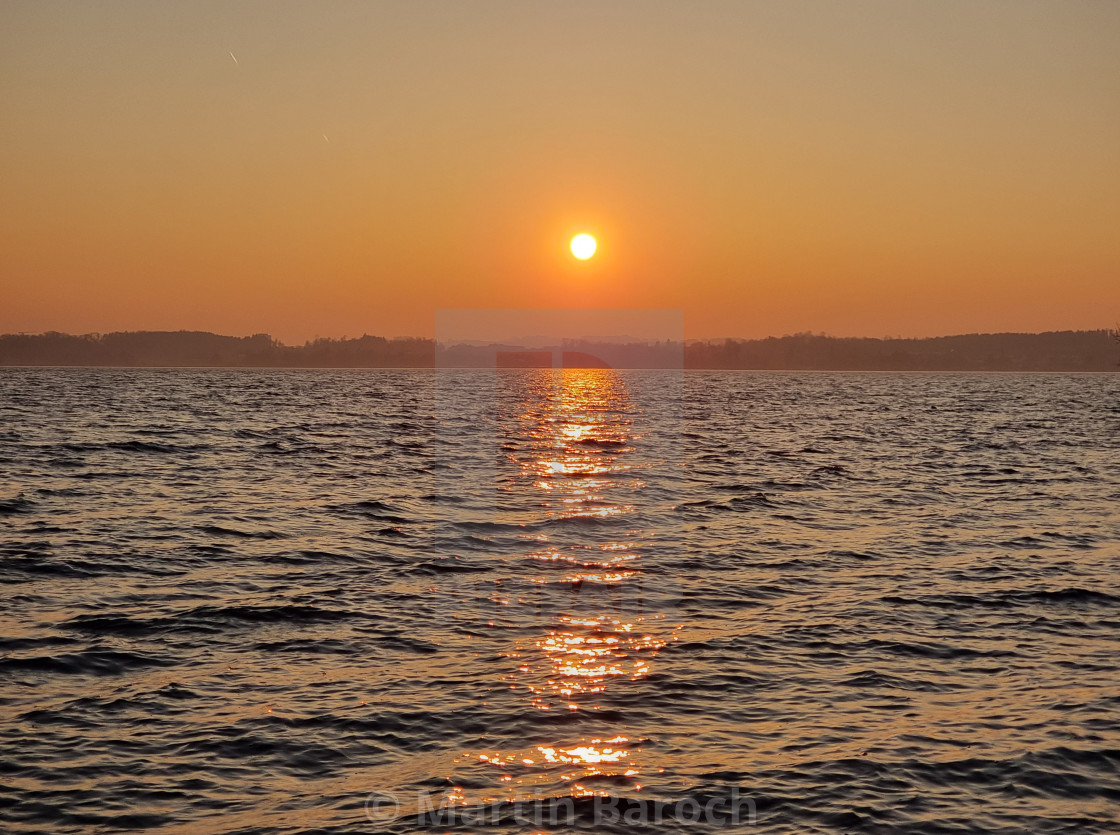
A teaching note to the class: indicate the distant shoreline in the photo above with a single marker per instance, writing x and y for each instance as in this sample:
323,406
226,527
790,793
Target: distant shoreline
1054,351
433,369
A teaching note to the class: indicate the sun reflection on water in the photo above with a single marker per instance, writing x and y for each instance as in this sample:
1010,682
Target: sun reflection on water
571,442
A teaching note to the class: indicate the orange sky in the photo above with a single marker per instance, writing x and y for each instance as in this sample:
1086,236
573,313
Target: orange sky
863,168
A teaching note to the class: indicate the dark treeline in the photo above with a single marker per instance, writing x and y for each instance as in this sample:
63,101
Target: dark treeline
198,348
1054,351
572,353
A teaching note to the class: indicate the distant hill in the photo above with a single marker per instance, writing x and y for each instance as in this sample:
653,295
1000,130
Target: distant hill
202,349
1053,351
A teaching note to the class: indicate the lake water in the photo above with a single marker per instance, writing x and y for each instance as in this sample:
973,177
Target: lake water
366,600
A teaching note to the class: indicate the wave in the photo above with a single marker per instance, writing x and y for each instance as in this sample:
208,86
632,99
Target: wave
208,619
97,661
1014,598
132,446
219,530
19,504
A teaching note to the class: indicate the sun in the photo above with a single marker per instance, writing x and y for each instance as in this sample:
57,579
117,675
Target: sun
583,246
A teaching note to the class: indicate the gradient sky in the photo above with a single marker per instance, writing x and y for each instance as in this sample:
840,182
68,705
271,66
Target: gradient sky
858,168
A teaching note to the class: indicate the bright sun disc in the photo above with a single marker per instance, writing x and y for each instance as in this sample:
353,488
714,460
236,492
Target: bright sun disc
583,246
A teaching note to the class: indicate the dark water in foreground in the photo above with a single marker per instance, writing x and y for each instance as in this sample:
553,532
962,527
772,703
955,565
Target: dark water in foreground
243,601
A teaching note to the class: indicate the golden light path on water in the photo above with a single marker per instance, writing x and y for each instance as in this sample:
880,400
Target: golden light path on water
580,428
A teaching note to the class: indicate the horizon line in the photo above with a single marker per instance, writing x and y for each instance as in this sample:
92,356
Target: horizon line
1113,331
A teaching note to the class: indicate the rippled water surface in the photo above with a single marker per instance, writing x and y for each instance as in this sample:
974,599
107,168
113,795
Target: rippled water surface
246,601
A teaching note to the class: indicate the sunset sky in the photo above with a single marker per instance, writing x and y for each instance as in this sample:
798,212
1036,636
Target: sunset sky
857,168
